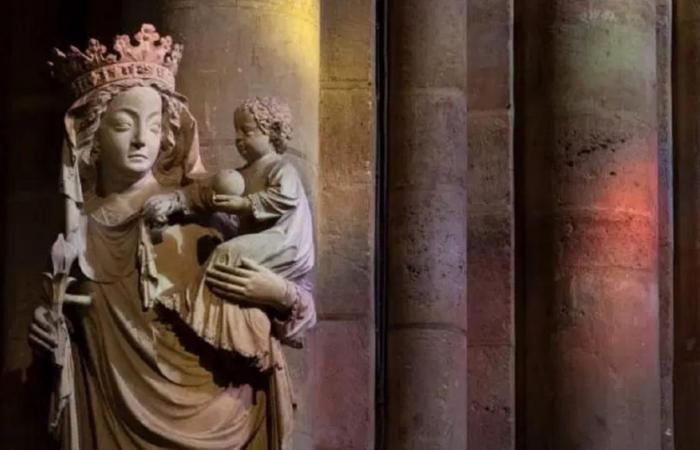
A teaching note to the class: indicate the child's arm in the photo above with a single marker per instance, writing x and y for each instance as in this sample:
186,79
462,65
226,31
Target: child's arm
232,204
282,194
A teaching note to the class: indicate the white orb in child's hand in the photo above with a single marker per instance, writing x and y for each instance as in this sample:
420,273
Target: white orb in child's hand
228,182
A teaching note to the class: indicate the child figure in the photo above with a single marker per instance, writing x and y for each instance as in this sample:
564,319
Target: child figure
275,229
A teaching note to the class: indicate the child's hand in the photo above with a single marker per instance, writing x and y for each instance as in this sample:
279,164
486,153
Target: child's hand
231,204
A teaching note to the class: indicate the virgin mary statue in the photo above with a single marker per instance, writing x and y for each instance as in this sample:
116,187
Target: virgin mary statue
138,378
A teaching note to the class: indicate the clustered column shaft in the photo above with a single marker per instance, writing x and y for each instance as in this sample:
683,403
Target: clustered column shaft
586,138
427,225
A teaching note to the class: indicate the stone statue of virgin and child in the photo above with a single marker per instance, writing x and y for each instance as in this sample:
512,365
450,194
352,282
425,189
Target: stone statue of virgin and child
172,290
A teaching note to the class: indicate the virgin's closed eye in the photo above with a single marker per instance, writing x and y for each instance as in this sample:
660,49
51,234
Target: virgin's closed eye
122,126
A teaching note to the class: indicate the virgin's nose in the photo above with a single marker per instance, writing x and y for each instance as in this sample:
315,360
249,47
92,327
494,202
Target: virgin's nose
138,141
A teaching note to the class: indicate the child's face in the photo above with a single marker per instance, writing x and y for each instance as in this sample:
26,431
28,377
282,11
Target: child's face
251,142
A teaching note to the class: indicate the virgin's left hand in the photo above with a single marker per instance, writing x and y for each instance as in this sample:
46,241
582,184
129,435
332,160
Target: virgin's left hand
231,204
250,283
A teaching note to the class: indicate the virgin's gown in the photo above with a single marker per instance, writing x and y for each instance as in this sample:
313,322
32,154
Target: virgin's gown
142,379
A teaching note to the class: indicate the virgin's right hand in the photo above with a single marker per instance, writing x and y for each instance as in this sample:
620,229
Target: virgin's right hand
43,334
159,207
206,197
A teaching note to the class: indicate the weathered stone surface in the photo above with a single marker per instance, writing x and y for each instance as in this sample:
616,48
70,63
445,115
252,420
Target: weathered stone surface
302,368
427,395
432,139
588,146
431,50
610,347
346,249
344,342
664,14
427,262
489,54
344,392
490,180
347,123
427,217
347,43
426,273
490,274
491,396
490,262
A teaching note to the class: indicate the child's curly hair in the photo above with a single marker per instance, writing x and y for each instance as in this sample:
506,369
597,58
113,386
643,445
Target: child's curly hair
274,119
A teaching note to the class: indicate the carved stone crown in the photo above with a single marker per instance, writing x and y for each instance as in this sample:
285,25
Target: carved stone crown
152,58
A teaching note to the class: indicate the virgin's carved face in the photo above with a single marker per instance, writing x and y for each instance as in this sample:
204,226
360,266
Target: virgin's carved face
130,135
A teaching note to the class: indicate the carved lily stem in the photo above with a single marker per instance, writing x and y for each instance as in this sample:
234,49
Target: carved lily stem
63,255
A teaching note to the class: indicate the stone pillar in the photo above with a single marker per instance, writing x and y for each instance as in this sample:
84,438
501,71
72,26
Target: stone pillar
686,97
235,49
426,276
586,137
490,265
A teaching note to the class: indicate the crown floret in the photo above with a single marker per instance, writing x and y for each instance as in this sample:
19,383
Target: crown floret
152,57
